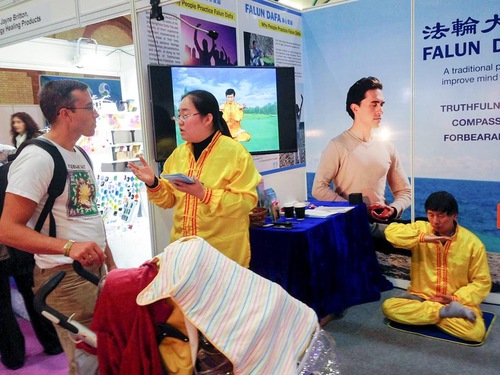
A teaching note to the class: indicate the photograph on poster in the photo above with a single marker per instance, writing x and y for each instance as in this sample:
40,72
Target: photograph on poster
216,47
259,50
266,96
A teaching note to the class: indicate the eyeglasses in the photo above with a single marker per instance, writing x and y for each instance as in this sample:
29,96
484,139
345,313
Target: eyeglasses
88,108
184,117
91,108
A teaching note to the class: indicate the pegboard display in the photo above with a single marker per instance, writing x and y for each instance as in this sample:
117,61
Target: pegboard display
119,198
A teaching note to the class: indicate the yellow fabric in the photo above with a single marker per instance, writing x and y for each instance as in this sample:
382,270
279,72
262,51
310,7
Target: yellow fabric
176,354
433,334
407,311
233,114
228,173
458,268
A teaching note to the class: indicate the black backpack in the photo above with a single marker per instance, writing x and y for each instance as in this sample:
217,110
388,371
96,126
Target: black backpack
18,261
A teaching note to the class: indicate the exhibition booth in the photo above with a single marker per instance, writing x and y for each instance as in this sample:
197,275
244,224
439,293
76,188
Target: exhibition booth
439,76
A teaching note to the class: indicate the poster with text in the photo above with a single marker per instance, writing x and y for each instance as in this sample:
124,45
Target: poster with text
216,33
448,112
342,44
457,113
191,32
271,35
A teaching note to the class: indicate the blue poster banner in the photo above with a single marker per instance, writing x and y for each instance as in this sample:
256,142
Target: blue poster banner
100,88
457,109
439,64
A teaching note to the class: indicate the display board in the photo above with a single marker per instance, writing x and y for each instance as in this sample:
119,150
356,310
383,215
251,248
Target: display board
443,122
222,32
23,20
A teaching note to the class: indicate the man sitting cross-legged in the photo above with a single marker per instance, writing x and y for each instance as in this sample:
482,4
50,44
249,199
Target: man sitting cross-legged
449,274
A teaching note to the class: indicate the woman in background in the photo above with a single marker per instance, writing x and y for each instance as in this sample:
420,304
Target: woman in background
22,128
217,205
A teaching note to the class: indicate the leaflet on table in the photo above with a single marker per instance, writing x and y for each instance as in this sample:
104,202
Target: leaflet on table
324,211
178,177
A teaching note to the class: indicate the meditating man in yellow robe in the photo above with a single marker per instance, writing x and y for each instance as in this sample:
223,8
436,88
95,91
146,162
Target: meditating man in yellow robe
232,112
449,274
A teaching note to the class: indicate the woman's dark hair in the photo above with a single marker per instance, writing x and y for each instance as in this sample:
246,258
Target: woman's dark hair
357,92
205,103
442,201
30,126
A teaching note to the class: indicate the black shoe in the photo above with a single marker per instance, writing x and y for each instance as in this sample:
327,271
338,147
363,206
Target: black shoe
53,350
12,365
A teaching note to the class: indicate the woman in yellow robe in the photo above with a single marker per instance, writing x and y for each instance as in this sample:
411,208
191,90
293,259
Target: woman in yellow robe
216,206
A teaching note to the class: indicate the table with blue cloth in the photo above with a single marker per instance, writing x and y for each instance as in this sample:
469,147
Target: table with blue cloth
328,263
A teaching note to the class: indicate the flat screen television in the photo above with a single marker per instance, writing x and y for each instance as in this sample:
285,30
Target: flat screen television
267,93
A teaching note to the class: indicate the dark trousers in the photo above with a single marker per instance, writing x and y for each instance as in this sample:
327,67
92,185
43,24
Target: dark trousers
12,346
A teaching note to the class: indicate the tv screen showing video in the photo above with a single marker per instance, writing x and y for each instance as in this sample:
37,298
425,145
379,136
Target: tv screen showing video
258,104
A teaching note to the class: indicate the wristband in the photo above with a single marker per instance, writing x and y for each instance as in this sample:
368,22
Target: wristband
155,184
67,247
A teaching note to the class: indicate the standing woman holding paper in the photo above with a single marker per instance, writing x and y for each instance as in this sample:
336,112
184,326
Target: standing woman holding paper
216,206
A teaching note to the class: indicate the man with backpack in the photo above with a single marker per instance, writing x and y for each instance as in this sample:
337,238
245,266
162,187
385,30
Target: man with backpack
79,229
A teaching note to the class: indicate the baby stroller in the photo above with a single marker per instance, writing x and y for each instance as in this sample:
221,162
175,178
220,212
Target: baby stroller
247,323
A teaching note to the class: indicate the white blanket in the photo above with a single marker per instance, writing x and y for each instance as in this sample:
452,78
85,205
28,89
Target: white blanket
253,321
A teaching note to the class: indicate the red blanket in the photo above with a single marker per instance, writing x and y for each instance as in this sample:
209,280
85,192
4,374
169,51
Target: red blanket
126,332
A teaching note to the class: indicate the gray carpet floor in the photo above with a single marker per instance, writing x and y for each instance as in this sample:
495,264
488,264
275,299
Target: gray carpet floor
365,345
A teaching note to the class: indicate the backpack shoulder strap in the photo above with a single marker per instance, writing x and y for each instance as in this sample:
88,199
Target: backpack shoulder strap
86,155
4,171
57,184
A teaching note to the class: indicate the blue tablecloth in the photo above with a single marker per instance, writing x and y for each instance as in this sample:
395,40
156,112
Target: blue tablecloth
328,263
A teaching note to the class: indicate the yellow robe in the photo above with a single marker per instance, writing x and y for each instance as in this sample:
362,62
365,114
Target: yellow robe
233,114
228,173
458,268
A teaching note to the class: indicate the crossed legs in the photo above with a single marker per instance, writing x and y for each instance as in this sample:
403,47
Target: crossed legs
454,319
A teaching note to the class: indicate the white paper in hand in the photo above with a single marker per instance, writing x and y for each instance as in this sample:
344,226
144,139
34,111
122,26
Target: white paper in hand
178,177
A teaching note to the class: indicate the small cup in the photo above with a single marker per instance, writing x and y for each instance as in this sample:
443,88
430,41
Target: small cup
300,211
355,198
288,209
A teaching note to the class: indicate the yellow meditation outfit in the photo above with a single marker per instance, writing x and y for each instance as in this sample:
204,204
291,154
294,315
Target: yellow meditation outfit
228,173
233,114
458,268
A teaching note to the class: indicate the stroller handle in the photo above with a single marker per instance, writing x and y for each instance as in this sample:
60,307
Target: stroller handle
87,275
80,331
